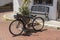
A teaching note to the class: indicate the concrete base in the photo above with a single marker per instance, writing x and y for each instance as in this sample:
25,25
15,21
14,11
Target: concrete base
9,17
52,23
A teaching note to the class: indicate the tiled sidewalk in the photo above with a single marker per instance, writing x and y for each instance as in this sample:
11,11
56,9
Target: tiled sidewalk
49,34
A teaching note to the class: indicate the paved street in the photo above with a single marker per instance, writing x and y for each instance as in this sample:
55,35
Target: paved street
46,34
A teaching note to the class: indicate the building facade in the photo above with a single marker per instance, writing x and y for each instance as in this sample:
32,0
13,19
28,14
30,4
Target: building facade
52,4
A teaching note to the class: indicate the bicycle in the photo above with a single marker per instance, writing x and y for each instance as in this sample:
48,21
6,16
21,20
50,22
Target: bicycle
37,23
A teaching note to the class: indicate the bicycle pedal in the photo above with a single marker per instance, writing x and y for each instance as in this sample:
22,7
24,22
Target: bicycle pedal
30,24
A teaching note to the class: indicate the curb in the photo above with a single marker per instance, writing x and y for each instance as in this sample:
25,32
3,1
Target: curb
5,17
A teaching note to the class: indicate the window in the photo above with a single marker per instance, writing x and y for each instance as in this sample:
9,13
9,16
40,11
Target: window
49,2
37,1
44,2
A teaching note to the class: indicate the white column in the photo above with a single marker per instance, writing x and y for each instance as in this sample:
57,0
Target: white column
53,11
16,5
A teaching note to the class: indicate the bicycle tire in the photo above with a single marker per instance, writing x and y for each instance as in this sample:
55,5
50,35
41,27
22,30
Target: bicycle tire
10,26
39,23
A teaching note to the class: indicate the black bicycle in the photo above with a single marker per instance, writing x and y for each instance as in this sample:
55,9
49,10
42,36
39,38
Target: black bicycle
21,23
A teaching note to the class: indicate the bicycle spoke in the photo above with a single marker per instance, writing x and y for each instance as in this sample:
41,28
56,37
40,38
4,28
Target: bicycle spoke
16,27
38,23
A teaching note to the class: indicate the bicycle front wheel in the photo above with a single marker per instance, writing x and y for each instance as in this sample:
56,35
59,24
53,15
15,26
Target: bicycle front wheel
16,27
38,23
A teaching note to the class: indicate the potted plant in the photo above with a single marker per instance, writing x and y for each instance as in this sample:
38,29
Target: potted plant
24,10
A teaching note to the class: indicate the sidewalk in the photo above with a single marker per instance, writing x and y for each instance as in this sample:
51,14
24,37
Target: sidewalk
51,23
46,34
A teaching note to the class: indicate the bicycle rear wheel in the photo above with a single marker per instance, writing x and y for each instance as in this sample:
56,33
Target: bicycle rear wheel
38,23
16,27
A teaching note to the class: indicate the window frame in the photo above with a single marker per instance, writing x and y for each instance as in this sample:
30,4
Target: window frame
46,3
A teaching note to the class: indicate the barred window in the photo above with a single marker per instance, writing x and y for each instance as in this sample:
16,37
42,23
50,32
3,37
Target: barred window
49,2
45,2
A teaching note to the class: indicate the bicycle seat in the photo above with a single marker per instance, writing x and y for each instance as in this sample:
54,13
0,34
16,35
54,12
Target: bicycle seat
33,15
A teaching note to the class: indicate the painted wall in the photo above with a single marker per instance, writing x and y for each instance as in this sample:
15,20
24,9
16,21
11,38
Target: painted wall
18,4
52,9
3,2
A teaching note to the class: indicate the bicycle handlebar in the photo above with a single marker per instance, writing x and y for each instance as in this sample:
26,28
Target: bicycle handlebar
26,16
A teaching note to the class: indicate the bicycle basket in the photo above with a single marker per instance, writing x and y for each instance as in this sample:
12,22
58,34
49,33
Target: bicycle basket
17,16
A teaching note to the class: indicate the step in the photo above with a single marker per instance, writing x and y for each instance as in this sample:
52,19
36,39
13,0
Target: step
53,24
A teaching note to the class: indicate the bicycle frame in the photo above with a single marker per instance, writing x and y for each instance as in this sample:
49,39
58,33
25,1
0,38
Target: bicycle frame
24,18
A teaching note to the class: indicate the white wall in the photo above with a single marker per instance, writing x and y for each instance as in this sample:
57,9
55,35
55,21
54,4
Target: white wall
3,2
52,10
17,4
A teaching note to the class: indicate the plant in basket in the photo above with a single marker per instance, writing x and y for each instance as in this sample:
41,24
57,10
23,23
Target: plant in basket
24,10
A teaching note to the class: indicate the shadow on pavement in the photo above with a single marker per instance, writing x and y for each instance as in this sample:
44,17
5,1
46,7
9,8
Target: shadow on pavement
30,31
